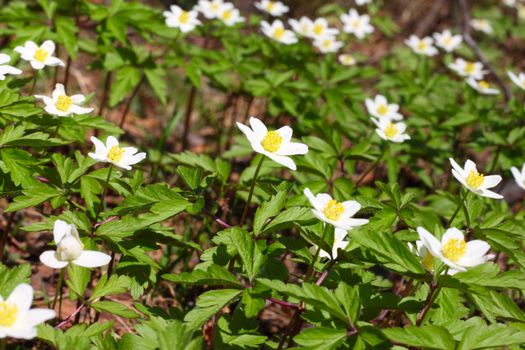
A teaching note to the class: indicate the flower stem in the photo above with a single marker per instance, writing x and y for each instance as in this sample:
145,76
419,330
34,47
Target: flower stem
5,234
376,163
250,195
59,291
103,196
461,202
187,117
34,83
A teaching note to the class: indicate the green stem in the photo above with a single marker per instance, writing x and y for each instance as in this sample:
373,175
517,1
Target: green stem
103,196
250,195
463,197
59,291
311,268
376,163
34,83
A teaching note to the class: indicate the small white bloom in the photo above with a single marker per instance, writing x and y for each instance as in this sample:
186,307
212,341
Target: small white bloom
426,257
39,57
303,26
481,25
320,29
447,41
454,251
362,2
212,9
330,211
7,69
468,69
328,44
482,86
423,46
519,79
380,108
355,24
185,21
111,152
510,3
474,181
339,243
274,8
276,144
519,176
71,250
277,32
390,131
347,59
17,319
230,15
62,105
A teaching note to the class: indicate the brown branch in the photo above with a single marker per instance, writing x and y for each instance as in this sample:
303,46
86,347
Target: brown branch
128,102
5,234
428,303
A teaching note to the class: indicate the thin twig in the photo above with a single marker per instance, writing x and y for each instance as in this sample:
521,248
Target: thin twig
77,311
128,102
187,117
5,234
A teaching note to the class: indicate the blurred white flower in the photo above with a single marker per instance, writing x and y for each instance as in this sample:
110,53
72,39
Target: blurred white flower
277,32
481,25
17,319
510,3
230,16
519,79
276,145
185,21
423,46
328,44
519,176
474,181
62,105
111,152
7,69
212,9
274,8
380,108
356,24
389,131
71,250
482,86
320,29
303,26
39,56
362,2
347,60
468,69
447,41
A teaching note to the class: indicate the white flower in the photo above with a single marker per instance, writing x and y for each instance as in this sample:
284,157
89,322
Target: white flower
328,44
474,181
426,257
389,131
276,144
71,250
63,105
123,157
333,212
230,15
320,29
510,3
519,79
17,319
468,69
339,243
303,26
185,21
481,25
454,251
362,2
274,8
347,59
6,69
423,46
212,9
519,176
482,86
39,57
277,32
356,24
447,41
380,108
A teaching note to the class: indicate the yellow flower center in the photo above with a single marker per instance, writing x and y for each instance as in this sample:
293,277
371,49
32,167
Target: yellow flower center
382,109
184,17
270,5
272,141
63,103
448,40
41,54
391,130
454,249
214,6
422,45
470,68
278,33
475,179
8,313
428,262
304,28
318,29
483,85
327,43
227,15
333,210
356,23
115,154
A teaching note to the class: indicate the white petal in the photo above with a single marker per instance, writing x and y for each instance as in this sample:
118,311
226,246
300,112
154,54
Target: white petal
134,159
110,142
457,167
80,110
258,128
470,166
452,233
53,62
429,241
348,223
90,258
292,148
22,297
49,46
36,64
283,160
60,229
286,133
36,316
351,207
21,332
59,91
491,181
490,194
250,135
49,259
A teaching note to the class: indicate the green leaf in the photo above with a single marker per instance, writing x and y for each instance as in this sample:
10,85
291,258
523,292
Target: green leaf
208,304
267,210
114,308
429,337
79,277
115,285
67,33
126,79
321,338
288,217
249,252
34,195
10,278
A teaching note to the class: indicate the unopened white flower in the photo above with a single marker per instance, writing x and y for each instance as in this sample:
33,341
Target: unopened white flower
339,243
71,250
328,44
320,29
457,254
356,24
274,8
277,32
447,41
519,176
380,108
276,145
387,130
111,152
230,16
519,79
481,25
482,87
212,9
346,59
7,69
362,2
303,26
468,69
475,181
62,105
426,257
17,319
422,46
39,56
330,211
185,21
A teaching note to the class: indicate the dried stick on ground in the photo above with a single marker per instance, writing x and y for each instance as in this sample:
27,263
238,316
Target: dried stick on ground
431,18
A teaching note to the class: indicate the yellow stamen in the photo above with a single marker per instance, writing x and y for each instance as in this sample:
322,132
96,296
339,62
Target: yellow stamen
327,43
214,6
227,15
356,23
475,179
382,109
470,67
454,249
391,130
483,85
272,141
270,5
8,313
428,262
422,45
318,29
333,210
278,33
448,41
184,17
115,154
41,54
63,103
